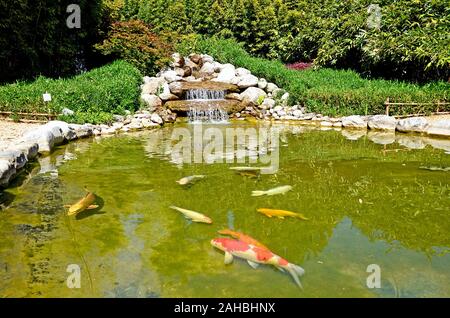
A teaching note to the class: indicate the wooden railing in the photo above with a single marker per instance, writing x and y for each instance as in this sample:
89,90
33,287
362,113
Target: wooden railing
28,117
441,108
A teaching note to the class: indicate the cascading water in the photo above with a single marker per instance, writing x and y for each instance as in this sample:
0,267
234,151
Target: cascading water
210,113
214,115
195,94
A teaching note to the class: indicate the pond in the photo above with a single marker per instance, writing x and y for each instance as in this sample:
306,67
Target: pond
366,203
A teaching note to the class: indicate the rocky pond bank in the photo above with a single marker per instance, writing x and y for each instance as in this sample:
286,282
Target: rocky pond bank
198,81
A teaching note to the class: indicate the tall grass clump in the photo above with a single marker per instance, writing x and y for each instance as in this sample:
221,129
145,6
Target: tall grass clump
94,96
328,91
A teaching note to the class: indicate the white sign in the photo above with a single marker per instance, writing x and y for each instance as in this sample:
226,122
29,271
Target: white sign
47,97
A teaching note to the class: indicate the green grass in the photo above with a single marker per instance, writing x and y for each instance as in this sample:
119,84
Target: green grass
331,92
94,96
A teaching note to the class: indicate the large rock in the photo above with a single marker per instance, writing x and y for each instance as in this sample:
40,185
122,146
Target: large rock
16,157
152,85
382,122
262,83
187,71
171,76
227,74
234,96
7,171
354,121
176,88
207,58
30,149
193,66
180,71
156,119
82,131
207,68
439,128
44,137
196,58
268,103
165,94
55,129
246,81
177,60
413,124
151,101
67,112
242,72
67,132
253,95
271,87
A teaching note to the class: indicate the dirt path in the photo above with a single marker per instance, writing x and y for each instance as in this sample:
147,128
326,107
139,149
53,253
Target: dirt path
10,131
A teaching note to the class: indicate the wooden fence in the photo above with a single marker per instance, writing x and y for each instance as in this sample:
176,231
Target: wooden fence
441,108
28,117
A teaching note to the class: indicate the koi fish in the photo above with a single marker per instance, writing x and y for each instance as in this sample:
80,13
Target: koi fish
243,237
192,215
190,179
250,168
255,255
281,214
274,191
82,205
433,168
246,168
249,174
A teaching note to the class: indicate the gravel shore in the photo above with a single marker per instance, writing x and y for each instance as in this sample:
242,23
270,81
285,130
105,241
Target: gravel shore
10,131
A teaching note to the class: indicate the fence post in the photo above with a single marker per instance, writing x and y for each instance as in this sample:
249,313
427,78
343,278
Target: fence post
387,106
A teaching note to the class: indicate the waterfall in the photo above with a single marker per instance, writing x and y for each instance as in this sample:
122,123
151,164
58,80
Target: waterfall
214,115
212,112
202,94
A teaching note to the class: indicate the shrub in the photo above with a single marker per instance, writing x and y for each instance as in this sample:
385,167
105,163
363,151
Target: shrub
323,90
110,89
134,42
391,38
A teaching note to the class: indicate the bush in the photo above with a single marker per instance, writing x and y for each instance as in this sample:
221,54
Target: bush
110,89
134,42
34,38
333,92
393,38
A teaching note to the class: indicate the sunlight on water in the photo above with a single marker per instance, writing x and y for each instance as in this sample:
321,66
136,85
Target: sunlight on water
365,205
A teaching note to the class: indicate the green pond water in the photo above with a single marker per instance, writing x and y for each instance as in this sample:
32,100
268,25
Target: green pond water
366,206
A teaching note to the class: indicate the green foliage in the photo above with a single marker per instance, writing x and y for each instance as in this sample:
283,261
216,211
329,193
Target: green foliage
333,92
34,38
111,89
88,118
134,42
409,42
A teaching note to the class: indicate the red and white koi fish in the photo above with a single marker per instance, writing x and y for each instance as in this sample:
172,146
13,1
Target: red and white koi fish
256,255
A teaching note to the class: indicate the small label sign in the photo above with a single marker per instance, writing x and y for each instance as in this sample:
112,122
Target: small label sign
47,97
